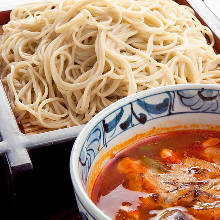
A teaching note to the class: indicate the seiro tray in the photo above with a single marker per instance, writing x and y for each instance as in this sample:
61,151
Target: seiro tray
17,137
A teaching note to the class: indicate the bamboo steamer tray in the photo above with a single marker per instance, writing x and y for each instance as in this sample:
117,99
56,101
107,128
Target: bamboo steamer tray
16,137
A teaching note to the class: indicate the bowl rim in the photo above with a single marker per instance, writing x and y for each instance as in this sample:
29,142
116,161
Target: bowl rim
80,192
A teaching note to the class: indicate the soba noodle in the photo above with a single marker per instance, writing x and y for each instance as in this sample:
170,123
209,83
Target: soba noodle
65,61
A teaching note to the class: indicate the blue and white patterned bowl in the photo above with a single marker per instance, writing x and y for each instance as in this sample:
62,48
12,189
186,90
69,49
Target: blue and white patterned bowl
171,106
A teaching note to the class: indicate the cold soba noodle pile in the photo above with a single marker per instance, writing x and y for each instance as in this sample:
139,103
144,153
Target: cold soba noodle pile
65,61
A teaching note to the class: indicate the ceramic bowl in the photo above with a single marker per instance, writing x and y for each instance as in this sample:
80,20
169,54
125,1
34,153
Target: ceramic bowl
154,111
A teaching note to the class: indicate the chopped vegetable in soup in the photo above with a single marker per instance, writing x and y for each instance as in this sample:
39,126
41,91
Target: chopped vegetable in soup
175,176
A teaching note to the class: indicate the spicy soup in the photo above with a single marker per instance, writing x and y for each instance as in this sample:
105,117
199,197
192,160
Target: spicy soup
174,175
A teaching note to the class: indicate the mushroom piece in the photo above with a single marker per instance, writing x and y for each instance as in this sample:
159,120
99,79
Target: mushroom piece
175,215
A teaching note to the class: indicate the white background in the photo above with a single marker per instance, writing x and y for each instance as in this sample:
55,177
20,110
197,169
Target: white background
213,5
10,4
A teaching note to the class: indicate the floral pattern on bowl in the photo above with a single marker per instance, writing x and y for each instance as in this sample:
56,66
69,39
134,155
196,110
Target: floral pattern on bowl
142,111
130,116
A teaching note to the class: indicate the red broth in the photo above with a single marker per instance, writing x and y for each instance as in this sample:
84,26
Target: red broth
174,175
